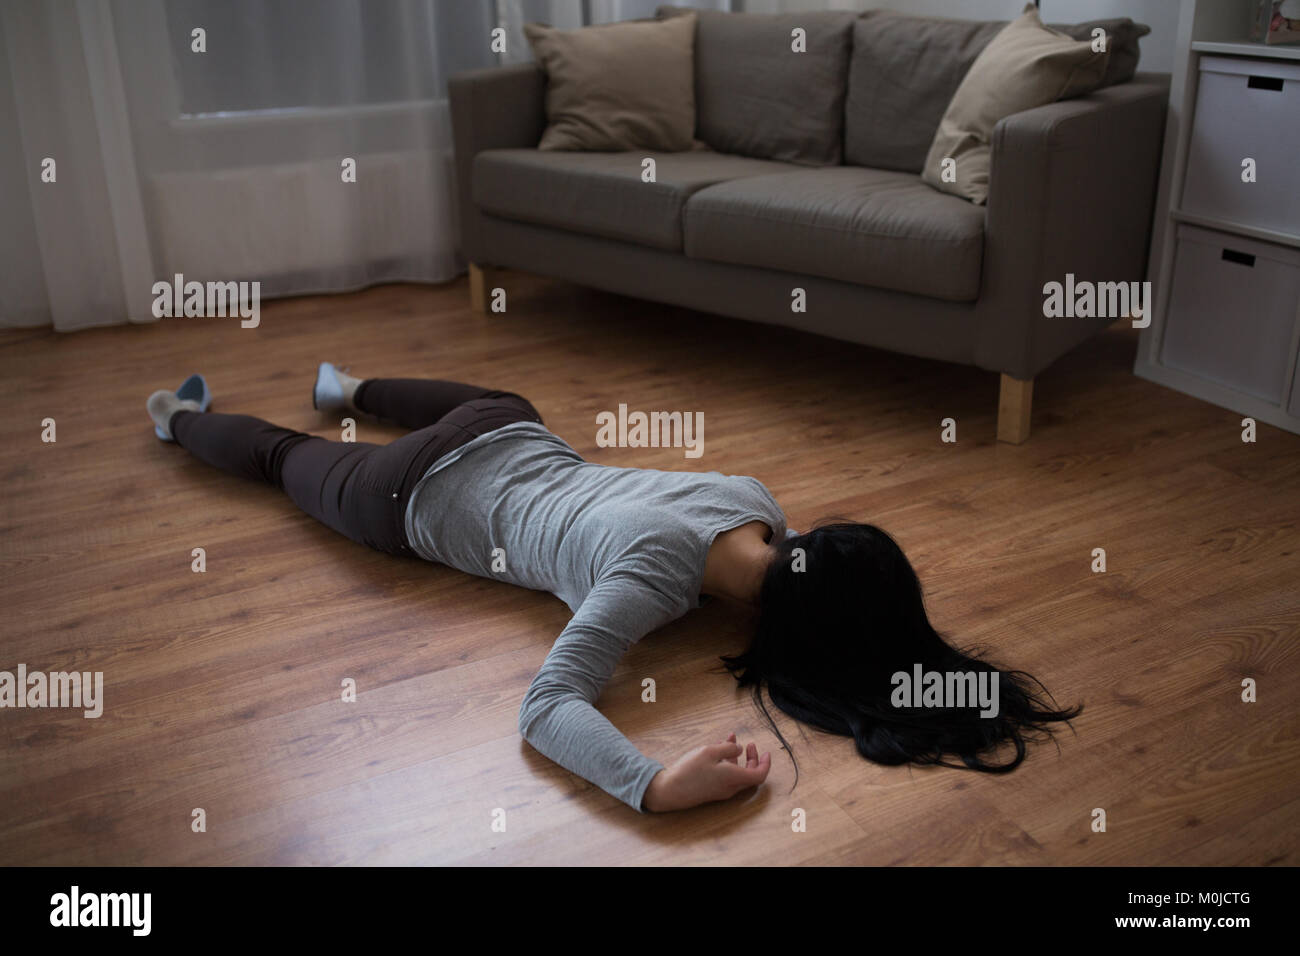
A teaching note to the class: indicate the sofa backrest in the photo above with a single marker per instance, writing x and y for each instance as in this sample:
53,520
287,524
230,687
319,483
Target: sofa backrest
905,69
755,96
902,75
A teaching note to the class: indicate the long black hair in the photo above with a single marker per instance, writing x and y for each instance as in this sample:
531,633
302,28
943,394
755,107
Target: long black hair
840,616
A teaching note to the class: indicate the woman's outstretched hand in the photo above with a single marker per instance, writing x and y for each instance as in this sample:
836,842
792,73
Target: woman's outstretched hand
706,774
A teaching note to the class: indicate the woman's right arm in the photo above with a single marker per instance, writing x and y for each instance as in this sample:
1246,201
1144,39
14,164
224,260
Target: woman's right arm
559,719
706,774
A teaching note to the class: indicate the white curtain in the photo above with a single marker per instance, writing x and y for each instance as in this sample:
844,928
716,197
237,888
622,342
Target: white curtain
72,232
226,164
128,155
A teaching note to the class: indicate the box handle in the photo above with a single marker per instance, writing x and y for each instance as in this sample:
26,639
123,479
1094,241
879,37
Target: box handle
1265,83
1241,258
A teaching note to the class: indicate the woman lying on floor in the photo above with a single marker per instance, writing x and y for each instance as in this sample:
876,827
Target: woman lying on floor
480,481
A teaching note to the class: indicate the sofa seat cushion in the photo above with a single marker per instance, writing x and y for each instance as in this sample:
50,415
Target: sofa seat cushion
602,194
872,227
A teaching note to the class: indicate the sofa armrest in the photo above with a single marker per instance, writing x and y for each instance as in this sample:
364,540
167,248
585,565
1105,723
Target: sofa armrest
497,108
1072,189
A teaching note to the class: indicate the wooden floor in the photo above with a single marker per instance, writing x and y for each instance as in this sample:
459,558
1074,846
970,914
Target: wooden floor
222,689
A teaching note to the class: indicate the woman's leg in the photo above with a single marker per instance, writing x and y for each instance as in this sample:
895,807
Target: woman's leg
418,403
340,484
359,489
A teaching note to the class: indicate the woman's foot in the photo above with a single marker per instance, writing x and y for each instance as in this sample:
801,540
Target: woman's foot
334,389
192,396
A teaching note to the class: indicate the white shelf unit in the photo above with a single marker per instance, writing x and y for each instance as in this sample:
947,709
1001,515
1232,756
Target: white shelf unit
1279,51
1211,28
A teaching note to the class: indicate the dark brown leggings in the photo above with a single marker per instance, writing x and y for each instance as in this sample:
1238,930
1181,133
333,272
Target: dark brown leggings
356,488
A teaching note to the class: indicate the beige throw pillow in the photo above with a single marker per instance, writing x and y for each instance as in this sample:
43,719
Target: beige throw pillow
1024,66
618,86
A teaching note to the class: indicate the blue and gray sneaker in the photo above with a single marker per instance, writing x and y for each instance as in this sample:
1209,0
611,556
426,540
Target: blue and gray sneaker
193,395
334,389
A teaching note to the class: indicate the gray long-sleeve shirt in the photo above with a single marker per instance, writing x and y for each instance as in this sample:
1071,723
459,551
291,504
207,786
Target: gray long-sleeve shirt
624,548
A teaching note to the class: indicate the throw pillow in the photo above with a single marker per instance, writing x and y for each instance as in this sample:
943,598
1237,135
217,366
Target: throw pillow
618,86
1024,66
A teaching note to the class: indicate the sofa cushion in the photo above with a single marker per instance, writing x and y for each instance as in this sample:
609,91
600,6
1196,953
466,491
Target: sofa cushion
756,96
602,194
905,69
868,226
902,76
618,86
1122,42
1024,66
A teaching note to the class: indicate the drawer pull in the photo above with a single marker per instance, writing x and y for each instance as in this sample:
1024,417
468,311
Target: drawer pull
1265,83
1241,258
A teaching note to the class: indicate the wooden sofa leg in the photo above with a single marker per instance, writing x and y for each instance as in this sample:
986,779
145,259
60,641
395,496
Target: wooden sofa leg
1014,404
480,278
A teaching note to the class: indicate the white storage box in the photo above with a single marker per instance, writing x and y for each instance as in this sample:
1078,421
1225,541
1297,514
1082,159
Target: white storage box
1246,108
1232,311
